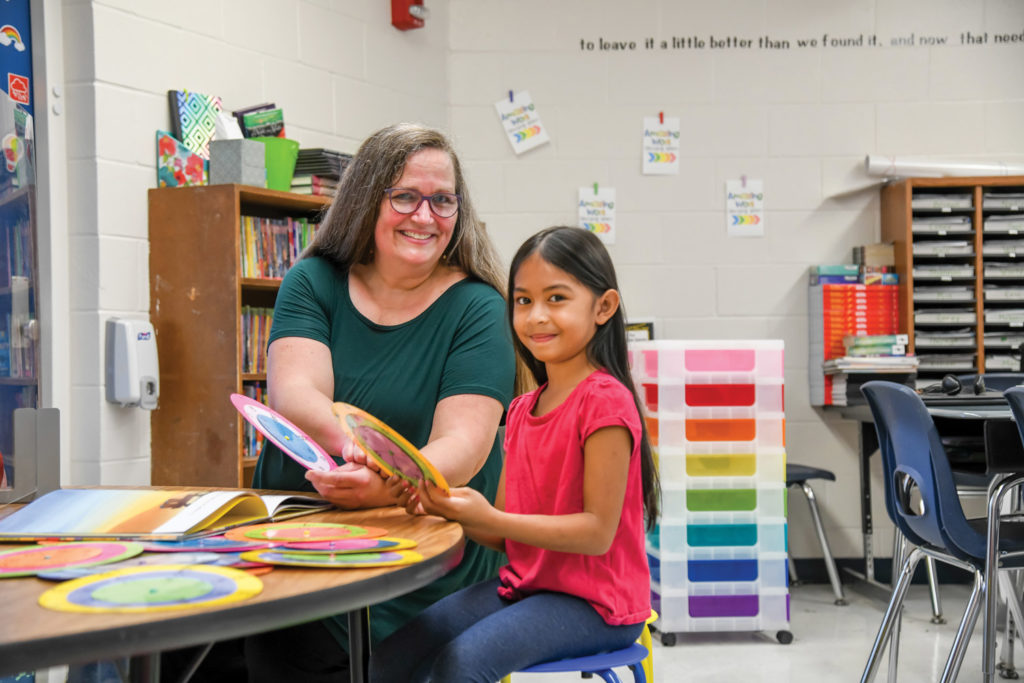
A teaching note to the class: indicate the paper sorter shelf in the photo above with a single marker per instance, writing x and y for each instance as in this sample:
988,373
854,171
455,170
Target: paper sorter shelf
945,316
938,294
944,248
944,272
1004,270
941,201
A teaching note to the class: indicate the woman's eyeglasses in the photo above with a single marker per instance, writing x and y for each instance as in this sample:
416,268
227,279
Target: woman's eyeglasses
405,201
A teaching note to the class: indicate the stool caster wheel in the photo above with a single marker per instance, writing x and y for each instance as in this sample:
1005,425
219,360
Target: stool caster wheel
668,639
784,637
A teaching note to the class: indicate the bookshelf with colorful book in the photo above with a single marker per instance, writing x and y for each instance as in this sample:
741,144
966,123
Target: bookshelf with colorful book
217,256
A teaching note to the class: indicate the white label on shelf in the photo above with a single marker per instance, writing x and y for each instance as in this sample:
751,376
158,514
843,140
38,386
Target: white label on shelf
946,278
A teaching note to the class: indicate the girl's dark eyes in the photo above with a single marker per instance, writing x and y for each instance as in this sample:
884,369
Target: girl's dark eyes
521,300
556,297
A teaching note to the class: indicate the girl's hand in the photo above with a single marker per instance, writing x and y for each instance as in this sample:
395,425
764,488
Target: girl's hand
463,504
349,486
404,494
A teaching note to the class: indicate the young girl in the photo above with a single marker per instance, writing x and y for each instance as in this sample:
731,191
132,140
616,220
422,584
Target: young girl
578,482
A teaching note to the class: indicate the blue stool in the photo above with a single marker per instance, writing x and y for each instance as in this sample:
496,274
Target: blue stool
637,657
602,664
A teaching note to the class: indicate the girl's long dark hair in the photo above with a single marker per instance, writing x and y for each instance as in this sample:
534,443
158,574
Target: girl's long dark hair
580,254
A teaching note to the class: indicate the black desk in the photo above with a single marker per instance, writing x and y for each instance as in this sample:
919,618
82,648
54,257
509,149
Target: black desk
945,410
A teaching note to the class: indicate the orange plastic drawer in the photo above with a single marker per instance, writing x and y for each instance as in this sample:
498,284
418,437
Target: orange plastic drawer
721,430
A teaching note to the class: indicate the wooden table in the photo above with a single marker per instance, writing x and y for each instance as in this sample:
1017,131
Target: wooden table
32,637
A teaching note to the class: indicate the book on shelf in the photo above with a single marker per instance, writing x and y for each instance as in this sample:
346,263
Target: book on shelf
878,254
239,114
845,386
877,350
269,246
314,180
149,514
265,123
853,341
881,364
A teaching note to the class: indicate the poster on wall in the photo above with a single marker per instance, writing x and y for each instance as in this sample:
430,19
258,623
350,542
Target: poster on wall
661,145
744,208
522,123
16,125
597,212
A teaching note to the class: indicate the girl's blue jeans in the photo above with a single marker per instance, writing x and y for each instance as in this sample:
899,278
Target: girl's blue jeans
475,635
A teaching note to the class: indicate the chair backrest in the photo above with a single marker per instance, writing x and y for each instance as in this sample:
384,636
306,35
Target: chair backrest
1015,397
912,454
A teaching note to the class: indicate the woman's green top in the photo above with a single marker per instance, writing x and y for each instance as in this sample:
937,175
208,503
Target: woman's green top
398,373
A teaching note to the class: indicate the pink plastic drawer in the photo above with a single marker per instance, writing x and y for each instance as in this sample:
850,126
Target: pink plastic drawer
720,360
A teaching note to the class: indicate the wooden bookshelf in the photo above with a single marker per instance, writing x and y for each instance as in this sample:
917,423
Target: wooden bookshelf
196,299
975,251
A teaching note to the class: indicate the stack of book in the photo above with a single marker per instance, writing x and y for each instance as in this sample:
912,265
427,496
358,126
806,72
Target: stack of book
869,357
839,306
318,171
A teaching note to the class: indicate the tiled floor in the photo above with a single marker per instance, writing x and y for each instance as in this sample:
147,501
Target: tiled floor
830,645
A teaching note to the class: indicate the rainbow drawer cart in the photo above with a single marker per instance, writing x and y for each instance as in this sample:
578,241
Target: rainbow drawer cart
715,414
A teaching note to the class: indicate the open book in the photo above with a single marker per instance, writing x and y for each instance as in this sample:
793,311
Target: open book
148,514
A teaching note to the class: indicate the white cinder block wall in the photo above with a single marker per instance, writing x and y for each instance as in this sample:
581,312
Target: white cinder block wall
338,69
801,119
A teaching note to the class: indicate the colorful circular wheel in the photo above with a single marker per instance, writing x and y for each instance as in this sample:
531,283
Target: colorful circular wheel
389,449
334,561
152,588
294,442
37,558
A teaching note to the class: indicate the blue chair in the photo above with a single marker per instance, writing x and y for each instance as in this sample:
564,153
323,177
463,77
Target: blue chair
921,498
637,657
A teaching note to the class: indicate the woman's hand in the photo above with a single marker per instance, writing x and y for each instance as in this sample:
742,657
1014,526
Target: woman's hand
350,486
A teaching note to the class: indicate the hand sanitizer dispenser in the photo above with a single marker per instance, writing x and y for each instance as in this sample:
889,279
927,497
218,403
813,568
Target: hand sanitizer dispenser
133,371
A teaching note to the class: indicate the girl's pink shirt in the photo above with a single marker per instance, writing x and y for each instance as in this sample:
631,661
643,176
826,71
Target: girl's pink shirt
544,475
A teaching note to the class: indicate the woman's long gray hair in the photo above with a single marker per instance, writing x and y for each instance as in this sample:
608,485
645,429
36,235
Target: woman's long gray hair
346,235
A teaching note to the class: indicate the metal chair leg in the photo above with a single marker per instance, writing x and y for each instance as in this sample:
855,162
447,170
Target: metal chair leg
899,592
964,631
899,556
826,551
933,591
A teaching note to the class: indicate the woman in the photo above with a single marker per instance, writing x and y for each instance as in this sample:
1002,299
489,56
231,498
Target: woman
395,308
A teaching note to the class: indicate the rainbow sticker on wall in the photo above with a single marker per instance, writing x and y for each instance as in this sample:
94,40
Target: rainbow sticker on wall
9,37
